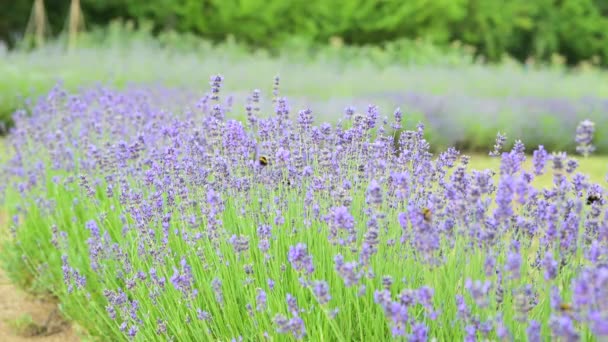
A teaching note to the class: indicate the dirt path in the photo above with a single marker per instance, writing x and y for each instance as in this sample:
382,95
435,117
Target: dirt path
27,319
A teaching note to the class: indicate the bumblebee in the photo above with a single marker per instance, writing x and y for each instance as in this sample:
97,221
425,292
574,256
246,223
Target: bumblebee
592,198
565,307
263,161
427,214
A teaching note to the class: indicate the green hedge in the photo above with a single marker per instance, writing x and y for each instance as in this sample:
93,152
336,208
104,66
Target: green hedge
575,29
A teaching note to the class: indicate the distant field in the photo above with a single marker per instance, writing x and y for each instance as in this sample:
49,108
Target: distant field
596,167
462,103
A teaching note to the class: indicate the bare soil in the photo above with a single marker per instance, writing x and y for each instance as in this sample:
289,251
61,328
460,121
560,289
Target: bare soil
24,318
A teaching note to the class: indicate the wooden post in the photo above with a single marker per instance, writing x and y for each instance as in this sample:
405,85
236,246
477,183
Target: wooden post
39,22
37,26
75,24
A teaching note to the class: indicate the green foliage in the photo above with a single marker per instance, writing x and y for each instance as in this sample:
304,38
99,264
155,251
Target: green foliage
576,29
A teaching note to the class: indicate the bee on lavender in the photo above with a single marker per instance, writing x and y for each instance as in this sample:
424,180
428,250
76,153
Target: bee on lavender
592,198
263,160
427,214
565,307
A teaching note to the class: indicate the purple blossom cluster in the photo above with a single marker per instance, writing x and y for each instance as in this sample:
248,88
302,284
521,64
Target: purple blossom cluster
176,219
584,137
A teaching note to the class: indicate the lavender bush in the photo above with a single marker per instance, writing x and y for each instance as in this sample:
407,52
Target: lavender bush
153,216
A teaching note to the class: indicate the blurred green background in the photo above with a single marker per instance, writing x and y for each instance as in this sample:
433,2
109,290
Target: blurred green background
575,29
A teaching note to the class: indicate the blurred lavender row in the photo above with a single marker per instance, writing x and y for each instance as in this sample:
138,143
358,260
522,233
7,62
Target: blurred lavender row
462,105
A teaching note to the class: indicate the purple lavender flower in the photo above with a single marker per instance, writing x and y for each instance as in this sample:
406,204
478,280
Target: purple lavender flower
599,323
321,291
161,327
479,291
371,117
398,117
513,264
297,328
202,315
571,165
300,260
402,217
349,112
305,119
295,325
518,151
132,331
582,289
240,243
425,297
260,300
500,142
501,330
374,193
550,267
292,305
558,160
471,333
407,297
183,280
533,331
584,137
71,276
216,284
111,311
341,219
275,88
563,326
490,265
504,198
215,83
419,333
463,309
387,281
539,160
348,271
396,312
282,323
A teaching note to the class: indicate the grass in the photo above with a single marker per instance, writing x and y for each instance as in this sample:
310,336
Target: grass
595,167
25,326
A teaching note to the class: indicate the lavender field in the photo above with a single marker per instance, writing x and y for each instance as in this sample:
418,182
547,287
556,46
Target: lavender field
463,103
152,214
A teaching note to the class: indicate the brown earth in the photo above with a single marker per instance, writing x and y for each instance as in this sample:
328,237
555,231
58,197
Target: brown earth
24,318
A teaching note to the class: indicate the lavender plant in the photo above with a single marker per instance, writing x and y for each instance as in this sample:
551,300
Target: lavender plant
584,138
153,217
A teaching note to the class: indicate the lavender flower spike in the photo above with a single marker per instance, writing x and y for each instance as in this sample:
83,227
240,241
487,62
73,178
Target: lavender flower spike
584,137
